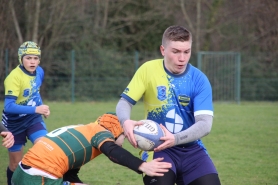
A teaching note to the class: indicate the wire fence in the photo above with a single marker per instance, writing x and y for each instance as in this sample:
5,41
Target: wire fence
100,76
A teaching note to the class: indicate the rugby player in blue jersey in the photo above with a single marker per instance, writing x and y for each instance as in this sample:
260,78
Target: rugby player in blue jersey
23,105
179,96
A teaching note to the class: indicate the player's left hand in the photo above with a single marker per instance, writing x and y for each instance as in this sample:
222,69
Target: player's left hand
47,114
156,167
169,140
8,140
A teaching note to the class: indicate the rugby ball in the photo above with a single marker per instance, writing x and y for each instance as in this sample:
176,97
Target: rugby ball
148,135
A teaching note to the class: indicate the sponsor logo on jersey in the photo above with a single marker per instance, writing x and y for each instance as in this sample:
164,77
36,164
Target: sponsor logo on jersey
10,92
161,93
184,100
26,92
126,90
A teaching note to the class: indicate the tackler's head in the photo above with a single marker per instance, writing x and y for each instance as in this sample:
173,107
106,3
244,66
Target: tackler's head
111,122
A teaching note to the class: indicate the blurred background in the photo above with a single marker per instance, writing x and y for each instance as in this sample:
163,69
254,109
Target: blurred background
92,48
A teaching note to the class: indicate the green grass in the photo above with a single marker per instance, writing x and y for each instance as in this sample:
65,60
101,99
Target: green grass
243,143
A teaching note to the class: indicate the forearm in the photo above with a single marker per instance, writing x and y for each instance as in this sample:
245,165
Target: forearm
121,156
11,107
2,128
123,110
201,128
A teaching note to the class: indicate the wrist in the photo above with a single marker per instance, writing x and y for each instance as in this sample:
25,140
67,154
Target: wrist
141,167
125,121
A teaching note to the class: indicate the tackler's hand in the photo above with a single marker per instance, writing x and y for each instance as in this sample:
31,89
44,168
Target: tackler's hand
155,167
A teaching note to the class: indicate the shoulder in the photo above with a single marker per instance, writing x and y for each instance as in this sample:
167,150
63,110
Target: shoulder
196,73
15,71
152,63
40,70
150,66
195,70
14,74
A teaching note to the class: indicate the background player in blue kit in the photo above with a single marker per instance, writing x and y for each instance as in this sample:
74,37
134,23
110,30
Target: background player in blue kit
23,106
179,96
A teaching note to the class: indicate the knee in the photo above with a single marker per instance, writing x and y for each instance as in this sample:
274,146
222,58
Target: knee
13,166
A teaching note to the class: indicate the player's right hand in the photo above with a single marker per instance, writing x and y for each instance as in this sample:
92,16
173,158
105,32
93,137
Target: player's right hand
128,127
8,140
155,167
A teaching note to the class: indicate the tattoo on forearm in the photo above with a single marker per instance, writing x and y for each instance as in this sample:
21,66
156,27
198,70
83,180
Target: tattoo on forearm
183,137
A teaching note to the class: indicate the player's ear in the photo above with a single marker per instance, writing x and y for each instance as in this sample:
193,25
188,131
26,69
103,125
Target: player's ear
162,50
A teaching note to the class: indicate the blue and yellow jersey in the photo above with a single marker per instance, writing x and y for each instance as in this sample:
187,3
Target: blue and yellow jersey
172,100
67,148
23,88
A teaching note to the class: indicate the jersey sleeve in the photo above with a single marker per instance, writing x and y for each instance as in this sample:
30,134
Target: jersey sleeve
101,135
203,98
137,86
10,106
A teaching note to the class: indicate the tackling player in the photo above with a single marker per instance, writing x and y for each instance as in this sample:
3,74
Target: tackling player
73,146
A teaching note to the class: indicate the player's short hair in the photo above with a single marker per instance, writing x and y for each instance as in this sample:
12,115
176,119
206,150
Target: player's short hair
28,48
176,33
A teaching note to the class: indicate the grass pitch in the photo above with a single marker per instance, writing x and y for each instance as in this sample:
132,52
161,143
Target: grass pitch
243,143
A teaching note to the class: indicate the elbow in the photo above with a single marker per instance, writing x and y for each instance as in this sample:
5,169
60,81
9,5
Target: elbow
208,129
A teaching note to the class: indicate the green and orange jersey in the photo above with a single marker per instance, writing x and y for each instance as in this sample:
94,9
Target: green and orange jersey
67,148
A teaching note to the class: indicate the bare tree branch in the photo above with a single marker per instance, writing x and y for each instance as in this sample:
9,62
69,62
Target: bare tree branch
36,21
186,17
198,25
105,14
17,28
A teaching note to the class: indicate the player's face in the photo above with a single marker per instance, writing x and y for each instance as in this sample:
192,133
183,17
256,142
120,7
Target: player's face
120,140
176,55
30,62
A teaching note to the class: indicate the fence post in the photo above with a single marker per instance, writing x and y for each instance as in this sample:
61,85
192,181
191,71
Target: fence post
238,74
72,75
136,60
199,59
7,61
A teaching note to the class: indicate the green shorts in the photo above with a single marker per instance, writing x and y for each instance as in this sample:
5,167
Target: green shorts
22,178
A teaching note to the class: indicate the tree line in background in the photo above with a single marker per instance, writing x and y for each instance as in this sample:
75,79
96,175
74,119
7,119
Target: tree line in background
125,26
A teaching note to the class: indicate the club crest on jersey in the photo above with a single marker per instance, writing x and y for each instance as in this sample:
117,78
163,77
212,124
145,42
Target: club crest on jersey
10,92
161,93
184,100
26,92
